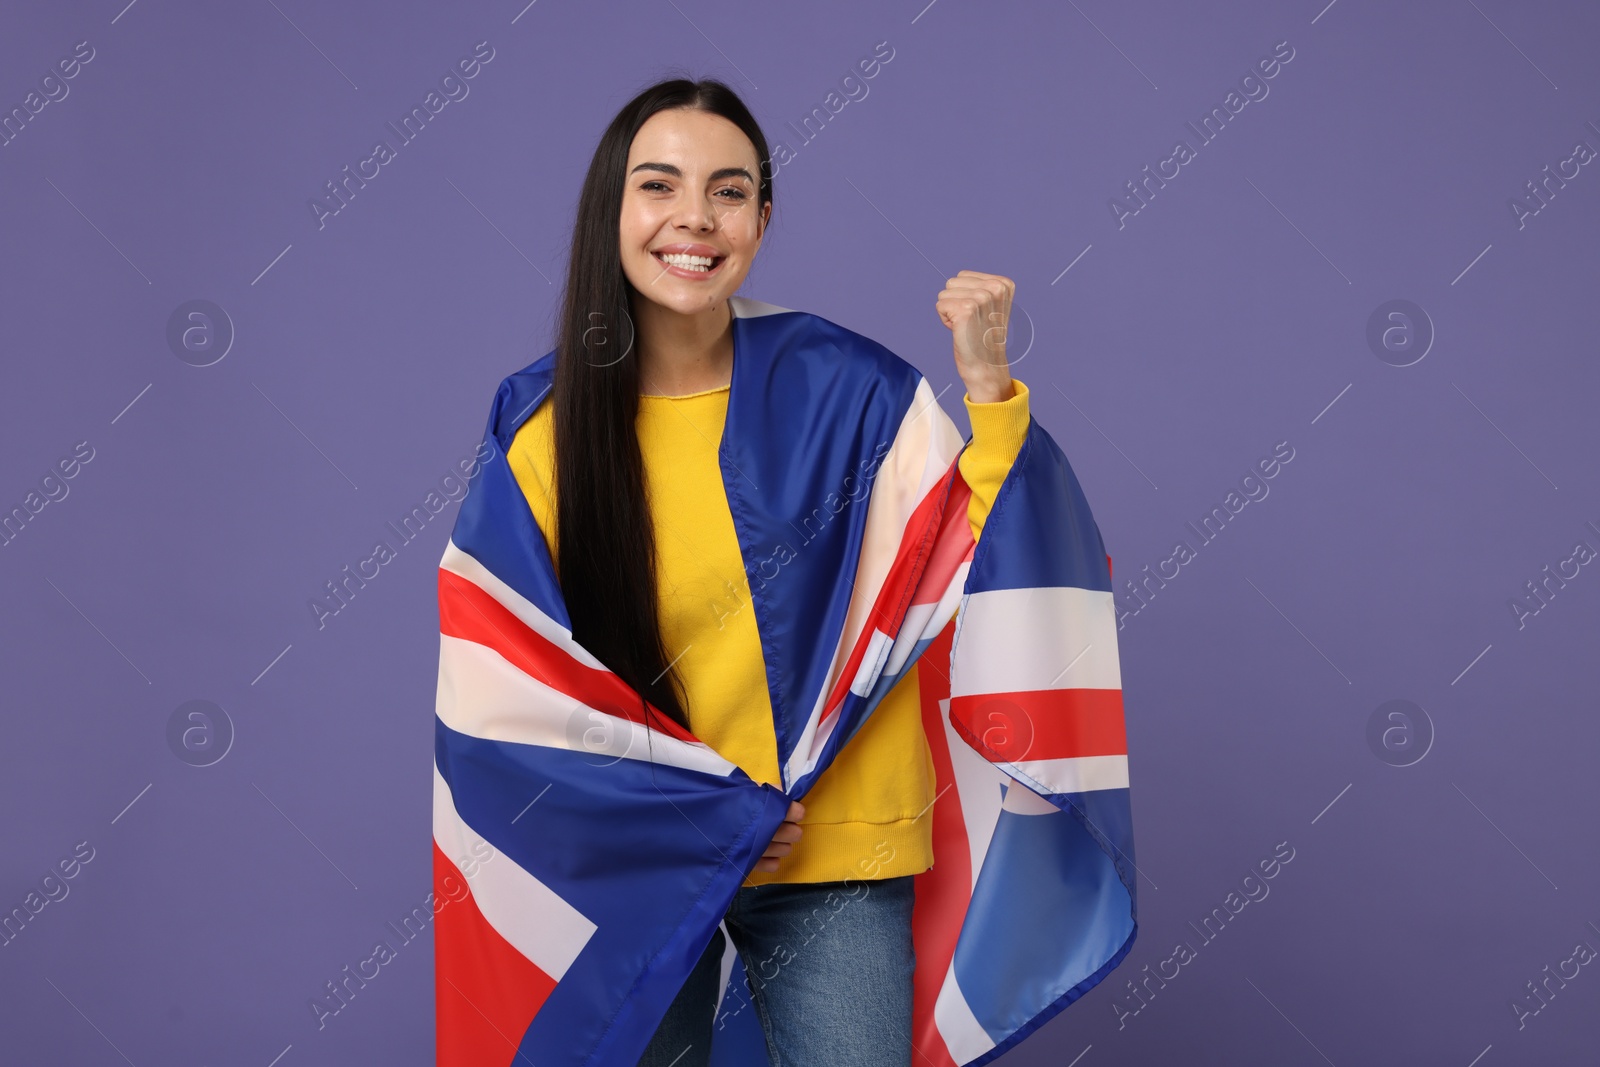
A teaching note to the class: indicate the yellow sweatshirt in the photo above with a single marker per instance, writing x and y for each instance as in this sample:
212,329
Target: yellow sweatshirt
868,815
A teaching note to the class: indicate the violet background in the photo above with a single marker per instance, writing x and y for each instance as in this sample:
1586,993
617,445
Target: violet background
1228,315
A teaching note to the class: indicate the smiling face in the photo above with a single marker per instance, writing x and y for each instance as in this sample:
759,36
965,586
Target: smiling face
691,225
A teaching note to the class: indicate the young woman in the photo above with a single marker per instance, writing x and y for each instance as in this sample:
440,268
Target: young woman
621,471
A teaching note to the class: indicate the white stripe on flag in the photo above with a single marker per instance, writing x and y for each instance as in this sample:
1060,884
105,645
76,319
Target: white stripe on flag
746,307
963,1035
531,916
1021,800
1077,774
978,783
483,695
871,663
1048,637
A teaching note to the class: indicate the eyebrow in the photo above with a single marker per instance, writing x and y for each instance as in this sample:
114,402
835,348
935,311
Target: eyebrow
722,172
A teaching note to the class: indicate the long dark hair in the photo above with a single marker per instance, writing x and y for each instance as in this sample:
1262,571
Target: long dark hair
605,541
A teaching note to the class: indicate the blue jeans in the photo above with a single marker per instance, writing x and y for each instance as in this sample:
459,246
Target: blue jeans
829,966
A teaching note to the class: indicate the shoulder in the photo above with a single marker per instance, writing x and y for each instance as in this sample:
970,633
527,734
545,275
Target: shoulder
519,396
852,354
532,441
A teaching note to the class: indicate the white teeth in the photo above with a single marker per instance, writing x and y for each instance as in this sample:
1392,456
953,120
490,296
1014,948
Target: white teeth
687,262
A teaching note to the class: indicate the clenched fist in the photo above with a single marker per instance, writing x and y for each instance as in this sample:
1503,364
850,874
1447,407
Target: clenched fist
976,307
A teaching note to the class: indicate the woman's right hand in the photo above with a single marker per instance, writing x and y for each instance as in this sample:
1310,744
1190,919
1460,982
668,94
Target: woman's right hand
783,840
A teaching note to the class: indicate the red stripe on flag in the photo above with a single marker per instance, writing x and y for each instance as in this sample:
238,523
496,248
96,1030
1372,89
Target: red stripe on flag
924,564
469,612
1042,724
953,545
486,992
944,891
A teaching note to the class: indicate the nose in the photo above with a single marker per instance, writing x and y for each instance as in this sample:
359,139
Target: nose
698,214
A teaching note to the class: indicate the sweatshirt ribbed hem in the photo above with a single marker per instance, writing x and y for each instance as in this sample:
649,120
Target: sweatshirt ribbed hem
862,851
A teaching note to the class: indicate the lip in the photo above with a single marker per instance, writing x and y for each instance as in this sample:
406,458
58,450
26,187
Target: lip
690,250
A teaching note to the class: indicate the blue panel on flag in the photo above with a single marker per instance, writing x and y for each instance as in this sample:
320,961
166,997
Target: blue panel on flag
1059,891
1050,537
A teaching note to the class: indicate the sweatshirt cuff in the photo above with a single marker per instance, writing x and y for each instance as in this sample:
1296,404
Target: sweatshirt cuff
999,428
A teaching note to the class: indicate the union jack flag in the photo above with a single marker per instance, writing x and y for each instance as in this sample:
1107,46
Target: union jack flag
588,856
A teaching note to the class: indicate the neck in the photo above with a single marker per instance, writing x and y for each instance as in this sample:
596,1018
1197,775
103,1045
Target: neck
681,353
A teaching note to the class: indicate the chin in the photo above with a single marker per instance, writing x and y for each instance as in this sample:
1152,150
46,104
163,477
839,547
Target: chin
686,298
682,303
